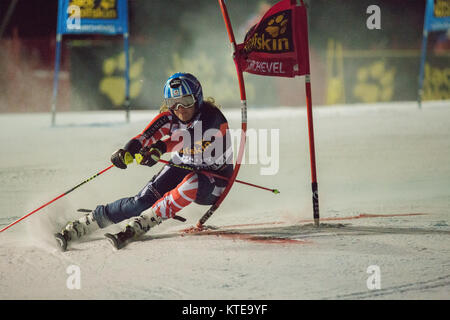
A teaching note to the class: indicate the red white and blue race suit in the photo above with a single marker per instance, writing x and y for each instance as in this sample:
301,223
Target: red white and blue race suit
202,144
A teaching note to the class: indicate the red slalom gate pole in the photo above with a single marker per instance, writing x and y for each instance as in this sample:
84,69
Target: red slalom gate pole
58,197
312,151
240,155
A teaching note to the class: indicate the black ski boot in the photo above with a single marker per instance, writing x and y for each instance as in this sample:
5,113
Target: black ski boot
121,239
137,227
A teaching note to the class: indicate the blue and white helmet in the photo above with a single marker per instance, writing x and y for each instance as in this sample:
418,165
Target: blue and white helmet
181,84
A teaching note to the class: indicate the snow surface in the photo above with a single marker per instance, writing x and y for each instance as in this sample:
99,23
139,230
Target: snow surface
391,160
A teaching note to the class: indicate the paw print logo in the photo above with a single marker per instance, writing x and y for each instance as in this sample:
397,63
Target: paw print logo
277,26
374,83
113,82
108,4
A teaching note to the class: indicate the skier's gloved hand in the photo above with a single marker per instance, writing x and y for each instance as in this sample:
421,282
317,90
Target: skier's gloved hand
121,158
149,156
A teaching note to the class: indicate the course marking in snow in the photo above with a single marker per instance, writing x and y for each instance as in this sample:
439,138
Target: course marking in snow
258,238
277,236
360,216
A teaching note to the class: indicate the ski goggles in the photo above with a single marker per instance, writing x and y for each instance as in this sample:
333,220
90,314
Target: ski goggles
186,102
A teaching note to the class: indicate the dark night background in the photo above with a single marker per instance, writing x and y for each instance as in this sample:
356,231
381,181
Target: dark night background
166,36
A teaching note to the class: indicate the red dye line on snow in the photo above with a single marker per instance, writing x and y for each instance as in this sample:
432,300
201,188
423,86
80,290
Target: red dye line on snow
241,236
278,240
374,215
360,216
253,238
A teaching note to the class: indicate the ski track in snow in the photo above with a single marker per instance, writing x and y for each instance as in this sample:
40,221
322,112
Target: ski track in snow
383,192
440,282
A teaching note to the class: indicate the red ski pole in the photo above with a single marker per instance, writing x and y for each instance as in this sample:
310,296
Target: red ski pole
276,191
58,197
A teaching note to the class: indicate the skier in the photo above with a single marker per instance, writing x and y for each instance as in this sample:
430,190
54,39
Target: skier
205,145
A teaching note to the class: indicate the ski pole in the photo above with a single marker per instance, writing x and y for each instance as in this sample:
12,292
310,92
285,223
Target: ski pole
276,191
58,197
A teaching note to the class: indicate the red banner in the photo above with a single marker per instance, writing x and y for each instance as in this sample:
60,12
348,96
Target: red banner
278,44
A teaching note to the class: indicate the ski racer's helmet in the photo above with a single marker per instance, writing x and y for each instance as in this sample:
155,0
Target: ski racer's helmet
182,84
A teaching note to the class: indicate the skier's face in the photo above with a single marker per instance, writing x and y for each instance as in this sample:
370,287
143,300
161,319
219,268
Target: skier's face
185,114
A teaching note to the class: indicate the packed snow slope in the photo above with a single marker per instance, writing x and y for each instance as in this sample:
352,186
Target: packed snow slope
384,193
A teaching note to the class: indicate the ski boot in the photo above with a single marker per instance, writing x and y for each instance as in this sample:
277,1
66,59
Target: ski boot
76,229
136,228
